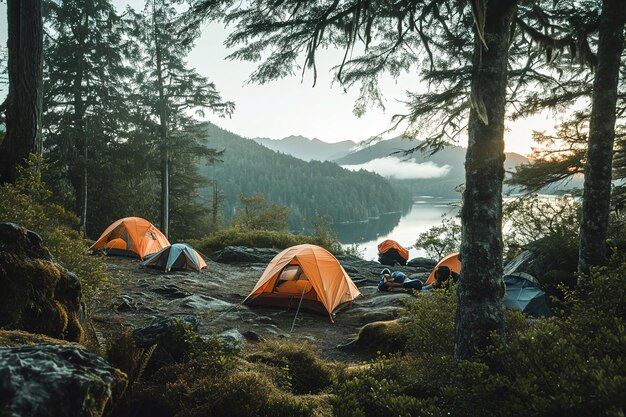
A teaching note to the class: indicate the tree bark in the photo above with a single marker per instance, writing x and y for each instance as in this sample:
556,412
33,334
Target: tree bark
480,289
597,187
25,98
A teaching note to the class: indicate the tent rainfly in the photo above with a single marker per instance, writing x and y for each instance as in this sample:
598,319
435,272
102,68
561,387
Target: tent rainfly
390,252
176,256
131,236
304,274
523,293
452,261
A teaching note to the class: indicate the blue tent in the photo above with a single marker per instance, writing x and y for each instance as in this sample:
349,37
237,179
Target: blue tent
524,294
176,256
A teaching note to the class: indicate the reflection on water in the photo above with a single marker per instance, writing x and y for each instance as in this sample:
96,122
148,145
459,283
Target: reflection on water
403,228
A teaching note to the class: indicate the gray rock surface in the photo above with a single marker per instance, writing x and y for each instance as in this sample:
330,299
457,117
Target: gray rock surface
217,292
426,263
232,339
57,381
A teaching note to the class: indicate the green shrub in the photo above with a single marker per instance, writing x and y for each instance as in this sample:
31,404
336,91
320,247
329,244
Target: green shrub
260,239
190,389
384,388
308,374
570,364
28,203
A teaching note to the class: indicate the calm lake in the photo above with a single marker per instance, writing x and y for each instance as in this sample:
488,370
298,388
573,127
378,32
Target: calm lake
403,228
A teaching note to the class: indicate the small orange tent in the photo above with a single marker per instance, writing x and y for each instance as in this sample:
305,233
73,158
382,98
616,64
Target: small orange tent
304,273
131,236
451,261
385,245
392,253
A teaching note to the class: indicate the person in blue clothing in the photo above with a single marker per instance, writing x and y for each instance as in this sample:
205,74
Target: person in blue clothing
398,282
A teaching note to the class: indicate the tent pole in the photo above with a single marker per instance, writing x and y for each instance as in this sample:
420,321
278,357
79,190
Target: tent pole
298,310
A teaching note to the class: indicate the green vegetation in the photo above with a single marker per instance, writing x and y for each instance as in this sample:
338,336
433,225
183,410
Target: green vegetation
307,373
261,239
213,382
572,364
441,240
29,204
258,214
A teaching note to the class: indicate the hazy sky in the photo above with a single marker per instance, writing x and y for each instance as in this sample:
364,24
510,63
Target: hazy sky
292,107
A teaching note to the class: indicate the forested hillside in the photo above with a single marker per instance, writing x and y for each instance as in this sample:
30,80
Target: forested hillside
306,188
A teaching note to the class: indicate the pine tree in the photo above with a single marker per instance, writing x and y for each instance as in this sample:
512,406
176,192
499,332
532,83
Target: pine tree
169,89
86,69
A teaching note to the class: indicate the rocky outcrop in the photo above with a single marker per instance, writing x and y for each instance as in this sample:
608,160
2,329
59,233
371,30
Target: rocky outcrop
425,263
242,254
56,380
36,294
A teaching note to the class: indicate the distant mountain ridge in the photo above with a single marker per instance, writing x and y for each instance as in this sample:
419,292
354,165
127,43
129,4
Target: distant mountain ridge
308,149
363,153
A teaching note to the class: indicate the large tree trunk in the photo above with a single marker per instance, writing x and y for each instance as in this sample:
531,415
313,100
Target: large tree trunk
25,98
480,309
597,189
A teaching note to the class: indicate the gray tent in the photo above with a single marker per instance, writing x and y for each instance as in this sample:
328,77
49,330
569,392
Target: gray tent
524,293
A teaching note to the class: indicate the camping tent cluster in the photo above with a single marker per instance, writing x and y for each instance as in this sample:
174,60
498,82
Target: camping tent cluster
138,238
306,276
523,292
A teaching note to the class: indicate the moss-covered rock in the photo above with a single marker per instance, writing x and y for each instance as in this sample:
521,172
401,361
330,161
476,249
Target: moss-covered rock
379,336
13,338
36,294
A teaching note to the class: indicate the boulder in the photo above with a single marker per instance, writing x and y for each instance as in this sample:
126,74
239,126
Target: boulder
124,303
241,254
168,334
44,380
203,302
36,294
232,339
425,263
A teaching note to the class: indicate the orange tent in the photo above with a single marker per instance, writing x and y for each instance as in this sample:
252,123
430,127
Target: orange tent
385,245
132,236
451,261
306,274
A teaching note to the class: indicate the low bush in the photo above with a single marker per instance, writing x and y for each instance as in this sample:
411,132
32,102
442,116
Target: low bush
307,373
570,364
209,382
260,239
